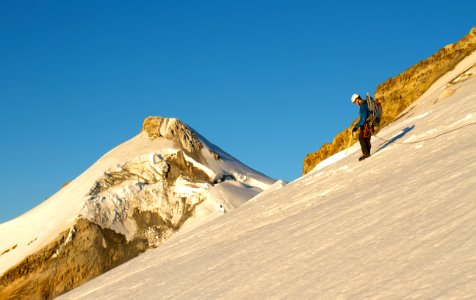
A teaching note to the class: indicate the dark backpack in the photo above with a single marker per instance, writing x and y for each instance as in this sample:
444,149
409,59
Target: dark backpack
375,111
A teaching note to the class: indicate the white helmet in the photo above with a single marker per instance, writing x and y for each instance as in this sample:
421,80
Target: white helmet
354,97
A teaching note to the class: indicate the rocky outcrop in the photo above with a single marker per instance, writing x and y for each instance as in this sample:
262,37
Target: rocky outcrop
76,256
174,130
397,93
177,132
120,194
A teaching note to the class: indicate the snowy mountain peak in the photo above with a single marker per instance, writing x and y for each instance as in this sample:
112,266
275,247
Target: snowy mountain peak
132,199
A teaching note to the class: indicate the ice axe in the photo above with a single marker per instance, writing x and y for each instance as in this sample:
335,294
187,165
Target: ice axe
348,144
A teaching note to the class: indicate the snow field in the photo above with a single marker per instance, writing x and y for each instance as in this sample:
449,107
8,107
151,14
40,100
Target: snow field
401,224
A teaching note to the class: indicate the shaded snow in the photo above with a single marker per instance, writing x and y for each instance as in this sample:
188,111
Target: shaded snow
400,224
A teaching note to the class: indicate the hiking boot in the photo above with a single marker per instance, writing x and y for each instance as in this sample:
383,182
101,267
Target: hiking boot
364,157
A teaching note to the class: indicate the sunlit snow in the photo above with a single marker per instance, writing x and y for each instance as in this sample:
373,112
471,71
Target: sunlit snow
401,224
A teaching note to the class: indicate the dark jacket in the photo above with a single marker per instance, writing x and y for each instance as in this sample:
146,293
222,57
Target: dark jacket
364,114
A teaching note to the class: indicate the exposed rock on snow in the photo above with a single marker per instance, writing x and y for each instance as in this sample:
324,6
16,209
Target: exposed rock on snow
174,130
120,195
74,257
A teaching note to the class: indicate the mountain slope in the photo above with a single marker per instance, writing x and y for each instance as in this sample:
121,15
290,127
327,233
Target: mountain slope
397,93
398,225
131,199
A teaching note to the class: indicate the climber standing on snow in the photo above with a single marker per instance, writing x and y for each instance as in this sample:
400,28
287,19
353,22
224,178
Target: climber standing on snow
363,125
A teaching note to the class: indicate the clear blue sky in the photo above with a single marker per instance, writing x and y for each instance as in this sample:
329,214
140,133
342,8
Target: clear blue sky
267,81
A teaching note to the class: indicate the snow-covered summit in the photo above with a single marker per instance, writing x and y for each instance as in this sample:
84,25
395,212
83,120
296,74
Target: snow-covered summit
131,199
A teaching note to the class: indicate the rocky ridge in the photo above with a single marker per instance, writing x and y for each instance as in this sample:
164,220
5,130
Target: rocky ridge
174,130
397,93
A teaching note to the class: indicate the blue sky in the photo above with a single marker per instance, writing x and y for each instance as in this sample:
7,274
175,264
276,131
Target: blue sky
267,81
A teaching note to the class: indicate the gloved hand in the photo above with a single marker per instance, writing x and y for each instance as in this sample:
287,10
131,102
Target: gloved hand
354,130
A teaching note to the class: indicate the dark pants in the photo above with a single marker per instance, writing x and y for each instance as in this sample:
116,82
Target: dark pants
364,142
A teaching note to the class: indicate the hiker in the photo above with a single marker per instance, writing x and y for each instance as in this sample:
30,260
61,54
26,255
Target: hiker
363,125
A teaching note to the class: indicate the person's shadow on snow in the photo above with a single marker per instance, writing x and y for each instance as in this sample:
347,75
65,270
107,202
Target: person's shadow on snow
396,138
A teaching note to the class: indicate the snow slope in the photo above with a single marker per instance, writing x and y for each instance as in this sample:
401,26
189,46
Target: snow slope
145,158
398,225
